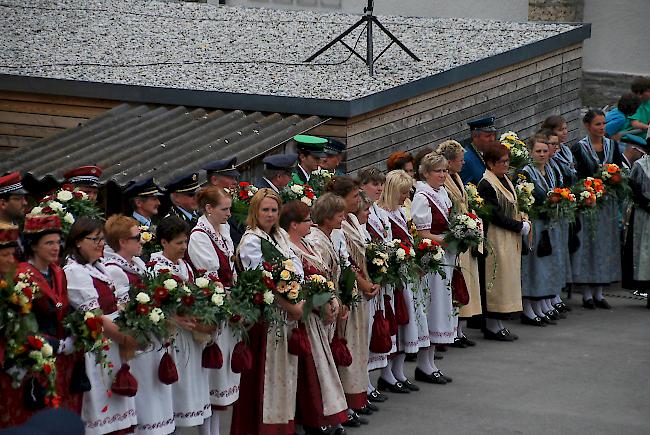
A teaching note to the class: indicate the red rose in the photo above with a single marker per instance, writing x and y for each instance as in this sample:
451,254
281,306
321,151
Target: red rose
142,309
616,178
472,215
151,264
268,282
47,369
422,246
309,194
28,292
554,198
94,323
243,195
78,195
163,271
258,299
235,318
201,272
177,278
187,300
207,292
69,187
35,342
48,210
160,293
244,184
267,266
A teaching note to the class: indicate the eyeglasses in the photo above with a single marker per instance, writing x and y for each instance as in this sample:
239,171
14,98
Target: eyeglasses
137,238
440,171
96,240
308,219
503,162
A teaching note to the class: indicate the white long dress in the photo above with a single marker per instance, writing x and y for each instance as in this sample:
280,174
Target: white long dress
441,317
414,335
191,394
100,412
204,241
153,400
378,227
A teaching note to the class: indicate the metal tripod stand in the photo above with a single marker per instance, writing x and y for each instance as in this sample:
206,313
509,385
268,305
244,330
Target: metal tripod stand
368,19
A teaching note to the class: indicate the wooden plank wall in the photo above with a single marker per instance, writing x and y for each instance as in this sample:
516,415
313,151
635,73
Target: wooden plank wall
25,117
520,97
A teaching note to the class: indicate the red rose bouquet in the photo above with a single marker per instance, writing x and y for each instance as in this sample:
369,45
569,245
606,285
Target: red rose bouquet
87,328
429,256
298,192
68,203
241,199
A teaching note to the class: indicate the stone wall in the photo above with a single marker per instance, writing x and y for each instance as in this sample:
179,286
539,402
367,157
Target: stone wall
568,11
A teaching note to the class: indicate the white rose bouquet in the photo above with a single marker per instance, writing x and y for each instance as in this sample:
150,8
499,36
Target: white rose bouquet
68,203
298,192
465,232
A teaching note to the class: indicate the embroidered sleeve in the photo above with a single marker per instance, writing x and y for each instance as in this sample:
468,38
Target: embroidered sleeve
120,280
421,212
201,252
250,251
81,290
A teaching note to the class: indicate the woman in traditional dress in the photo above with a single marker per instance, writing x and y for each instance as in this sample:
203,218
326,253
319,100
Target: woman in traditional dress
431,208
211,249
506,225
321,400
372,182
191,393
455,155
414,334
597,262
126,269
542,269
42,246
563,157
90,287
636,273
267,394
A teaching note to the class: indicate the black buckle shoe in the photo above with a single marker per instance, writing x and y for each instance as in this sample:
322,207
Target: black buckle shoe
589,304
535,321
467,341
602,303
410,385
397,387
502,335
375,396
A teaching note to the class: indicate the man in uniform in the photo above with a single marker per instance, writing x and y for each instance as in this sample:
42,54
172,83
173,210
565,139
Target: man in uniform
86,178
223,173
335,151
12,204
182,195
277,171
144,197
483,133
310,157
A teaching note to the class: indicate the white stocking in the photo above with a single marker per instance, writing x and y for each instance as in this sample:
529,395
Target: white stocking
423,361
493,325
398,367
528,309
214,423
598,293
387,373
537,308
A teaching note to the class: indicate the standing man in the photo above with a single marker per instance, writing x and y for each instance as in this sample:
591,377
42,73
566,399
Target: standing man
310,157
86,178
182,195
223,173
144,197
335,152
483,133
12,205
277,171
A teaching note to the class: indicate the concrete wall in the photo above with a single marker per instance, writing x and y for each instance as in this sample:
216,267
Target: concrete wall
507,10
620,40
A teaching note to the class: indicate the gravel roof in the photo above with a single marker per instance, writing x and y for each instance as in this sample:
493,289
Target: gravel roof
239,50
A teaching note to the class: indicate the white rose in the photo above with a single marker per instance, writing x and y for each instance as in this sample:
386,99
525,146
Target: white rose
154,317
401,254
84,195
46,350
471,224
306,200
217,299
378,262
268,297
297,188
19,286
37,210
64,196
56,206
142,298
68,218
170,284
202,282
427,242
438,255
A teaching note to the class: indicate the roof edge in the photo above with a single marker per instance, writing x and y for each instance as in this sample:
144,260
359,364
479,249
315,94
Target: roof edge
295,105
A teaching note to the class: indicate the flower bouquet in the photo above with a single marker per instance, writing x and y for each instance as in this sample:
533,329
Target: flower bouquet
402,268
476,202
298,192
524,189
68,203
149,242
317,291
377,263
33,357
615,180
17,321
588,193
279,273
151,302
560,204
519,156
465,232
348,287
87,328
429,256
241,199
250,298
205,300
319,179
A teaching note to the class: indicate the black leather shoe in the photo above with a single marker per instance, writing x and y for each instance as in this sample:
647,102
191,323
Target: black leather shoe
546,319
554,314
602,303
316,430
458,343
502,335
536,321
561,307
372,406
467,341
364,411
351,422
375,396
410,385
359,418
447,378
589,304
338,431
382,395
559,314
397,387
429,378
511,334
